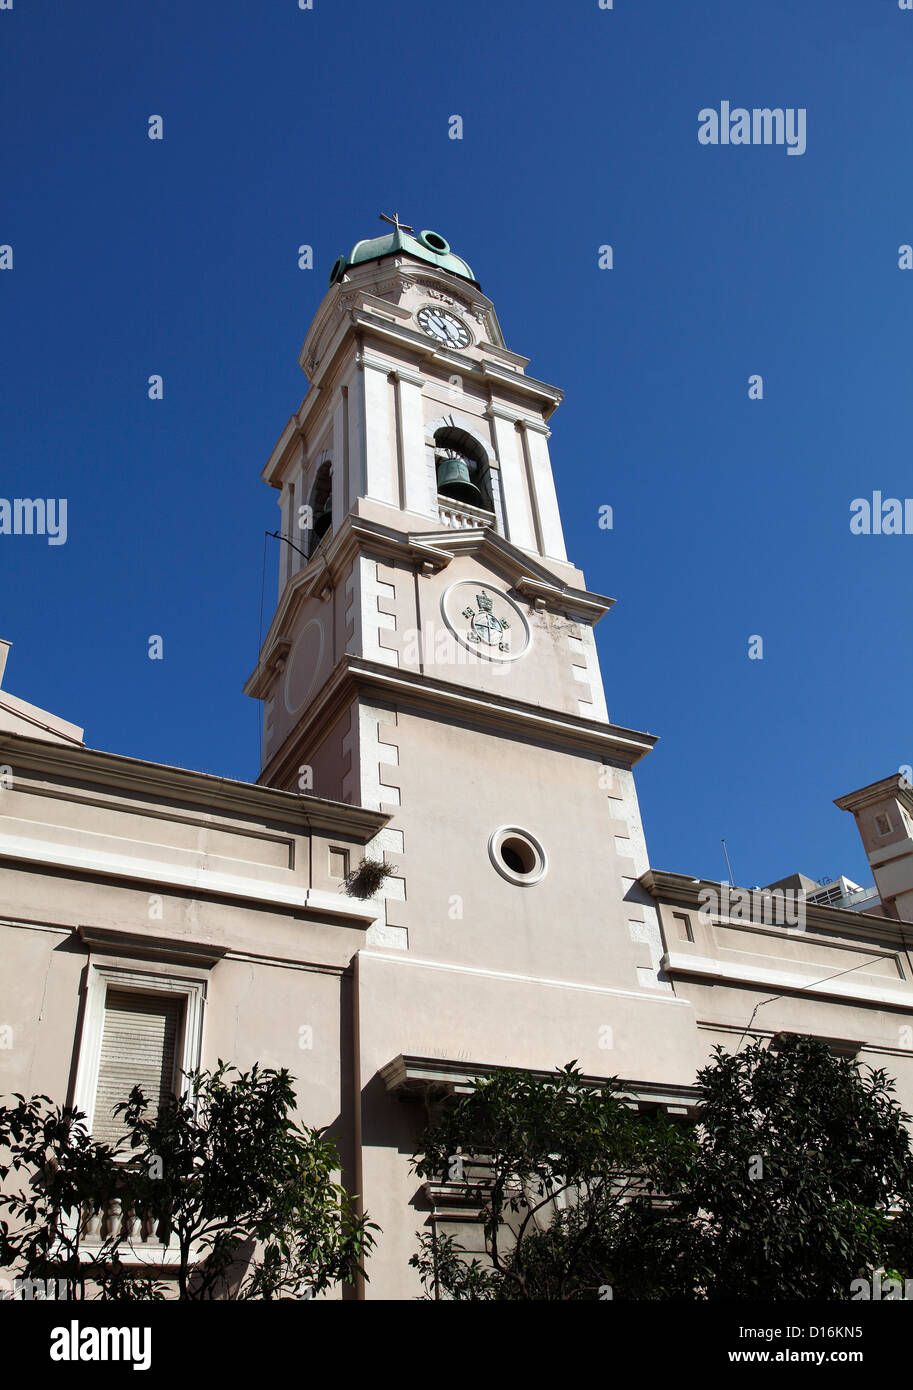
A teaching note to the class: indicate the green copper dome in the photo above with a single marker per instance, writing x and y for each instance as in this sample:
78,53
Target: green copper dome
426,246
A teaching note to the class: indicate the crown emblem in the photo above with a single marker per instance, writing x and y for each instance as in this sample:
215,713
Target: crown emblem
484,627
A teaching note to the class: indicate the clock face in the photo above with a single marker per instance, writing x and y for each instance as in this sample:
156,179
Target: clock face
445,328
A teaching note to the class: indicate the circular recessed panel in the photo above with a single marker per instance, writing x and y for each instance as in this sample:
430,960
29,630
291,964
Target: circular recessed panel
303,665
485,621
517,855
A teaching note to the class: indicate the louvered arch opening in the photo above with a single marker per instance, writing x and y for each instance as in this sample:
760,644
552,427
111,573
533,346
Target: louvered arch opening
139,1047
321,505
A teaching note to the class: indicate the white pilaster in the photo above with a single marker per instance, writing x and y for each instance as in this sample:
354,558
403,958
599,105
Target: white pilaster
543,483
412,430
339,470
356,436
380,470
284,550
517,514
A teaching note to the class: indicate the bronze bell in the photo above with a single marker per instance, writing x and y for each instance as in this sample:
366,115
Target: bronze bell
454,479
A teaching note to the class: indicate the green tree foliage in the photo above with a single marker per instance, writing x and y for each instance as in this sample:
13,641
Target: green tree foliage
53,1175
796,1179
804,1175
559,1171
245,1194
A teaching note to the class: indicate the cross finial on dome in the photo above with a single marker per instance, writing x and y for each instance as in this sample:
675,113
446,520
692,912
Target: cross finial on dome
400,226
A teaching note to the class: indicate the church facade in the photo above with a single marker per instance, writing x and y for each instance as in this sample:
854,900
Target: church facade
432,702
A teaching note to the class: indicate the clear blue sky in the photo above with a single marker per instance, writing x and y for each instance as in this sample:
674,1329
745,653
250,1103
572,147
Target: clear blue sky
285,127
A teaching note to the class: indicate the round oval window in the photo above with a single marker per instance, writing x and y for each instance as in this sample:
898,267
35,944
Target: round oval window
517,855
434,243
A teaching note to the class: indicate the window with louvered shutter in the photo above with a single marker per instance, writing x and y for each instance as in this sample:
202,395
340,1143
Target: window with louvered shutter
138,1048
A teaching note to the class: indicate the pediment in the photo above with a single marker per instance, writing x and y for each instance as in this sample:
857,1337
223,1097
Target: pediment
535,581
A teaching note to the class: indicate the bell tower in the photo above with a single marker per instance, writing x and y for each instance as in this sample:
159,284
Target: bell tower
432,651
432,657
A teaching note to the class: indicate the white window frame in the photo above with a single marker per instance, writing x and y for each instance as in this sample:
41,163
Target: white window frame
135,980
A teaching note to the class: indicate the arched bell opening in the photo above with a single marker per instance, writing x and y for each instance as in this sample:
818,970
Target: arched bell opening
463,474
321,505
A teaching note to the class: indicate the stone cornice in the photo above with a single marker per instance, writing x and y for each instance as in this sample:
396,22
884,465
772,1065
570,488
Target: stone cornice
402,374
536,426
353,676
136,778
526,573
388,369
285,445
502,354
59,729
101,865
483,707
417,344
836,922
115,940
877,791
441,1076
516,417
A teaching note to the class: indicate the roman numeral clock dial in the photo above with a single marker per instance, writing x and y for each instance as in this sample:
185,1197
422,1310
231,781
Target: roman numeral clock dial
443,327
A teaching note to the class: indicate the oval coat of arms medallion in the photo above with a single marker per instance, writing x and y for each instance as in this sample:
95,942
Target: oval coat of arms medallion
485,621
